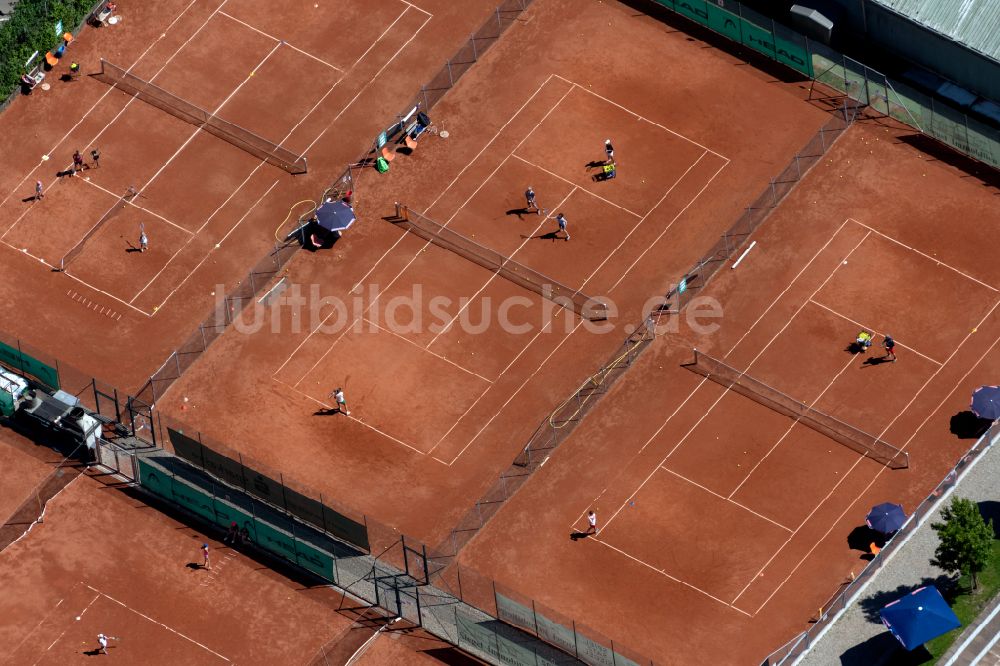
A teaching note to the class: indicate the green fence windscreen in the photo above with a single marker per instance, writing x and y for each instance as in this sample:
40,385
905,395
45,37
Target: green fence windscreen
21,363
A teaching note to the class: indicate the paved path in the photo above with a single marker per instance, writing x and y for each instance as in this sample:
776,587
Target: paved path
858,637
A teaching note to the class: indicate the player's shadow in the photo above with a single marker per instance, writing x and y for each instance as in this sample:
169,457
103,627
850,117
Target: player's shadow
576,536
875,360
327,411
96,652
132,248
521,212
30,199
855,348
596,164
552,235
195,566
966,425
62,174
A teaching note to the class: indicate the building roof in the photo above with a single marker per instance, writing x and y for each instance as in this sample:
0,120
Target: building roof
974,23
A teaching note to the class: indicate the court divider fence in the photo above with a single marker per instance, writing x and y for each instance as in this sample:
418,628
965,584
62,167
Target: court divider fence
889,97
734,240
371,560
852,588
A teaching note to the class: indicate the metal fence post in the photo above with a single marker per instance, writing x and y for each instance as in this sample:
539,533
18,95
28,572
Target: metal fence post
472,42
451,78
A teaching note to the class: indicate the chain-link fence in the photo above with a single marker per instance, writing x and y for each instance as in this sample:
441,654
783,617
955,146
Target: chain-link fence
734,240
923,111
843,598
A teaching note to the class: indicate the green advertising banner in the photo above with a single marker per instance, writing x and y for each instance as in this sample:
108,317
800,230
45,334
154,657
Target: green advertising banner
21,363
739,29
221,513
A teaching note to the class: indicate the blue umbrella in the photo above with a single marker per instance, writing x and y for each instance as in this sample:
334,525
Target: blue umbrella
335,216
886,518
919,616
986,402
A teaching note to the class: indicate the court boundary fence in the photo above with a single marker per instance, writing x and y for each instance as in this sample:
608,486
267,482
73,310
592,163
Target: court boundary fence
754,215
889,97
792,651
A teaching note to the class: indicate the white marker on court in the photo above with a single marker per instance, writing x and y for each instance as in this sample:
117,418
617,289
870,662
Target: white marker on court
745,252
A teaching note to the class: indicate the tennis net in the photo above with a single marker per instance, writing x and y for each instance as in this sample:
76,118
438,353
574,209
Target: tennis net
75,251
244,139
571,299
856,440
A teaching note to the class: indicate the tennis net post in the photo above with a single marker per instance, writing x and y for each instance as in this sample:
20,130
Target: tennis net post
855,439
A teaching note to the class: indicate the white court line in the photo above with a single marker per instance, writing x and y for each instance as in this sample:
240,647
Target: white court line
70,275
788,431
673,578
468,164
108,92
207,254
356,420
63,632
647,120
134,205
924,254
882,470
214,113
410,4
499,375
340,113
569,182
514,393
371,80
790,285
726,499
411,342
701,383
146,617
869,328
474,193
281,41
676,217
520,247
725,393
324,355
426,244
35,628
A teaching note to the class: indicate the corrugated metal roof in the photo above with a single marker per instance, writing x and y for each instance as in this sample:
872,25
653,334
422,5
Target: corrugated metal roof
975,23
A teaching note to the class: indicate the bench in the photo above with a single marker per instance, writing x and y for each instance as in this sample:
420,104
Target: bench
103,12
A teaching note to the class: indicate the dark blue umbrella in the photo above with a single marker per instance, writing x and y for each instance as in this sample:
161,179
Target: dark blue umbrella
919,616
986,402
886,518
335,216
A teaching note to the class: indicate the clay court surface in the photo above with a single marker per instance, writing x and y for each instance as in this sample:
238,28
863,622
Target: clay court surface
438,408
782,499
208,208
122,568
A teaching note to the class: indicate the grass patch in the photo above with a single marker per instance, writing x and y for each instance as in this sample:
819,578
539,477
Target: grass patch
967,605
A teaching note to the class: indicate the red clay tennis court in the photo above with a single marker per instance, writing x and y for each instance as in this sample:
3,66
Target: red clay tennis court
723,514
722,524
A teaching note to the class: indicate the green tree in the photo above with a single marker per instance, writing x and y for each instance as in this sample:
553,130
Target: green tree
965,539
